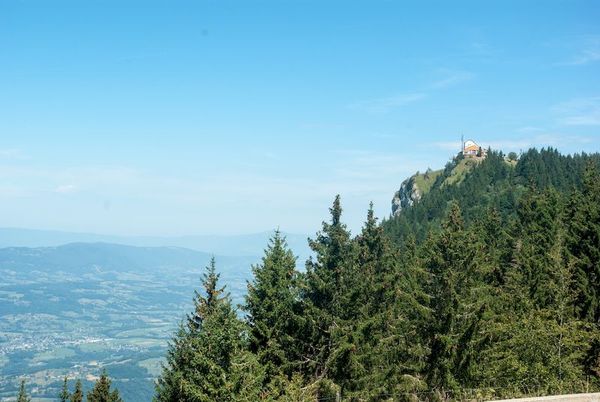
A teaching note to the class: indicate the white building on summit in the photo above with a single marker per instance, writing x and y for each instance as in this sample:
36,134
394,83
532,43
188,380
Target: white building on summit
471,149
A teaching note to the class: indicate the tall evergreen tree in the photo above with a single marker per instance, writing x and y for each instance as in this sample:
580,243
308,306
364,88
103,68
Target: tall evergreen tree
332,248
361,300
373,277
539,219
204,304
206,360
64,395
272,304
77,395
175,378
493,236
583,243
386,291
323,288
101,392
23,397
457,305
537,347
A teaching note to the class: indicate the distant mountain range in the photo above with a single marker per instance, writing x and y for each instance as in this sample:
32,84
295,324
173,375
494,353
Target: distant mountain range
83,257
236,245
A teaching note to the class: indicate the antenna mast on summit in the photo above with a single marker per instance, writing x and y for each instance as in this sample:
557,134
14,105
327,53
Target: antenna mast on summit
462,143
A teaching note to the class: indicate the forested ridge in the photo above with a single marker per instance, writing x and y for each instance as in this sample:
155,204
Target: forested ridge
486,288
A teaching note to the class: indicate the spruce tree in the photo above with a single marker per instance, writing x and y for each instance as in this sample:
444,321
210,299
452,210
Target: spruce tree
387,342
174,383
332,249
365,298
23,397
101,392
77,395
64,395
539,220
493,237
322,291
535,337
205,303
373,279
583,243
206,359
457,307
272,305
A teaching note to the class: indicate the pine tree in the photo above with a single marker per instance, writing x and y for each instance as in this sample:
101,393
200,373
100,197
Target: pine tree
64,395
77,395
23,397
246,378
206,360
493,236
175,382
101,391
583,243
332,249
537,347
323,288
204,304
386,342
365,298
539,220
373,279
273,308
457,307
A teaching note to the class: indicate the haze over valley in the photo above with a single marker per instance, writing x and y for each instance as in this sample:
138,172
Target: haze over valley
72,309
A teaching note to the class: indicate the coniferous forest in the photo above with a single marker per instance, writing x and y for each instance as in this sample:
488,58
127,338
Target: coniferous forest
486,288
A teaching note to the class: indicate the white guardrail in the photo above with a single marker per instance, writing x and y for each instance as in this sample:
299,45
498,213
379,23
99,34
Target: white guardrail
595,397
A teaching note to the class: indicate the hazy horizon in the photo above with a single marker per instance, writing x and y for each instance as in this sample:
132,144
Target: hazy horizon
157,236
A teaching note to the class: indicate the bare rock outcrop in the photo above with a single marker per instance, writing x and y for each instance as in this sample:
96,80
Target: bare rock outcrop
406,196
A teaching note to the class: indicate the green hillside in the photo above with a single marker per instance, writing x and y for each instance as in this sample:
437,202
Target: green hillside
424,181
460,171
492,182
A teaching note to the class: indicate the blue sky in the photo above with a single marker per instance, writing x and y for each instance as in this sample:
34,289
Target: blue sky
172,117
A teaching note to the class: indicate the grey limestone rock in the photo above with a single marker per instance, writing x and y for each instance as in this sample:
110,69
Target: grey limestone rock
406,196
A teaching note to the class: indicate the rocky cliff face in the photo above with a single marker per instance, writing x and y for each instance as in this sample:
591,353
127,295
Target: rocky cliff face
406,196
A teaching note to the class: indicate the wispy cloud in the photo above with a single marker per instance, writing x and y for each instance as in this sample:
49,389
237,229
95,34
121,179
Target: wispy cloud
529,129
448,145
65,188
579,112
480,47
133,200
384,105
588,52
322,126
586,56
539,141
11,154
446,79
451,79
369,166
